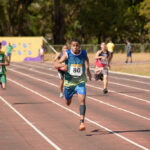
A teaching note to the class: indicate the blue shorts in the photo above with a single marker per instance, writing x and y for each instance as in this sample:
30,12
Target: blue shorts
129,54
79,89
8,54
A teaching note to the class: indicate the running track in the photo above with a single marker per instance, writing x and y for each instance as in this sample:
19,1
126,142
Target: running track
33,117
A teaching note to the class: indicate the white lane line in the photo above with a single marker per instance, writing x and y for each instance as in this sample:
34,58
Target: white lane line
128,74
91,121
132,87
133,97
30,124
113,106
131,80
114,72
146,90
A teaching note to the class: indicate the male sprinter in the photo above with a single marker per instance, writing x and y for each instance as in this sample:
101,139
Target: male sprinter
77,63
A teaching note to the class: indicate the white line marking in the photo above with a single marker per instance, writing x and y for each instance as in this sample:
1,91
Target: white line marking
128,74
37,93
131,80
116,72
132,87
109,82
133,97
143,117
30,124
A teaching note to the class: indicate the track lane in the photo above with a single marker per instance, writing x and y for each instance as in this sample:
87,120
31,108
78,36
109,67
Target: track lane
145,107
97,142
124,92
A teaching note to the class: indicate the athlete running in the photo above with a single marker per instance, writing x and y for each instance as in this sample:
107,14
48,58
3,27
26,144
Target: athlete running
3,62
61,72
101,65
77,63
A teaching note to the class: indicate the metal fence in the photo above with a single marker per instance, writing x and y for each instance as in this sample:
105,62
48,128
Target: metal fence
119,48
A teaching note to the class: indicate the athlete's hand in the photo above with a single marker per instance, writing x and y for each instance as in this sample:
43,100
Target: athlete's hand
109,67
89,74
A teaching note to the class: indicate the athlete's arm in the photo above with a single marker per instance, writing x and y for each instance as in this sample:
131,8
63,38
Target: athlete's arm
59,63
97,55
6,62
56,57
87,68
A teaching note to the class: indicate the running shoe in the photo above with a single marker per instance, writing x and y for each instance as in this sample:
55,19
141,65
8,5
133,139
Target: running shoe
61,95
105,91
101,76
82,126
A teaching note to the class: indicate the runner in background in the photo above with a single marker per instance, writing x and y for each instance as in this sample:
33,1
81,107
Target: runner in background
77,63
101,66
61,72
9,51
42,53
110,48
3,63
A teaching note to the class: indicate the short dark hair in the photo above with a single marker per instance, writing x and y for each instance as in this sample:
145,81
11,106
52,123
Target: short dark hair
75,40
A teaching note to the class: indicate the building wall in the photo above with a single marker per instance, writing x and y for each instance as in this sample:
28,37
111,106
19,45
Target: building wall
24,48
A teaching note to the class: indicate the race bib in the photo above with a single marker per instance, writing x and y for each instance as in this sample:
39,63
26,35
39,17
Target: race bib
104,61
76,69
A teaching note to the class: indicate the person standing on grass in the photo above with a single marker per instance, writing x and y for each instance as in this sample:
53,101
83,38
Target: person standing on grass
42,53
61,72
129,52
110,47
9,51
77,66
3,63
101,66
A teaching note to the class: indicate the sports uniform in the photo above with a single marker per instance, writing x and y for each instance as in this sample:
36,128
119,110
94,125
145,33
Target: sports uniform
2,68
101,65
61,72
75,77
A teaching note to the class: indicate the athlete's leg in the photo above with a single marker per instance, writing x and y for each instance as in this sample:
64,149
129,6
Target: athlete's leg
3,86
69,91
61,86
3,81
81,91
105,81
131,59
81,99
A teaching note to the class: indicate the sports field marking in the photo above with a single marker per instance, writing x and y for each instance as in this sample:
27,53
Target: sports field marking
30,124
48,74
91,121
113,106
146,90
113,72
128,74
132,87
131,80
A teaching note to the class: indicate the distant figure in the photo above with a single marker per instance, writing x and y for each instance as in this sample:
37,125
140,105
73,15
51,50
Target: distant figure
61,72
110,48
9,51
129,52
3,63
42,53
